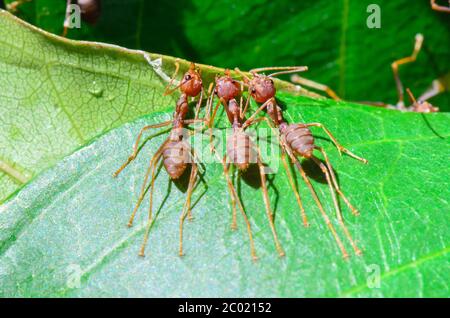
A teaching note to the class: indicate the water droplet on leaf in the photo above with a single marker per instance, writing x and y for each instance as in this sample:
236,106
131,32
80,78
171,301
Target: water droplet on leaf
96,90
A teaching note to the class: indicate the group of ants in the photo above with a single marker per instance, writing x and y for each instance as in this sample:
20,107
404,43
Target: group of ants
295,139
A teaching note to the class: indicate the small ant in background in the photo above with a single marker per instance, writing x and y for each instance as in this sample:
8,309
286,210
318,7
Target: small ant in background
420,106
297,140
438,86
438,7
90,11
175,152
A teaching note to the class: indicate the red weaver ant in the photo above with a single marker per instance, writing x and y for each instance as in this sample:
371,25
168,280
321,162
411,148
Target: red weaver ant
297,140
175,152
240,149
421,106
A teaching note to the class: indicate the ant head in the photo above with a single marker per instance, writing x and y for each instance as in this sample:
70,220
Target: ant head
421,106
226,87
424,107
261,88
191,84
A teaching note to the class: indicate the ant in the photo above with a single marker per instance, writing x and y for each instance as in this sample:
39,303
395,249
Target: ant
438,7
421,106
297,140
240,149
90,11
174,152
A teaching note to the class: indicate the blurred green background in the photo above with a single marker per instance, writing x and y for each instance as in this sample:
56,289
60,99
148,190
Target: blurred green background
331,37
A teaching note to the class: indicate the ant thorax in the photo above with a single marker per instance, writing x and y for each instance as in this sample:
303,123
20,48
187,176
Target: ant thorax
262,88
227,88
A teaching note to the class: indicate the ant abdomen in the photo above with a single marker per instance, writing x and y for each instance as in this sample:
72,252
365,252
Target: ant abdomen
240,150
300,139
176,157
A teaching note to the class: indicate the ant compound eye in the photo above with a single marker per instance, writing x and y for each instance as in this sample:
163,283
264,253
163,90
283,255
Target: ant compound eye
187,77
253,91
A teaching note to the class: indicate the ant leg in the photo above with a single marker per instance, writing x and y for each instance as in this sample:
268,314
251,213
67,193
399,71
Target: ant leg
66,19
150,168
281,69
321,87
243,75
437,87
336,185
14,6
194,166
136,144
226,167
12,172
336,205
199,103
235,199
187,205
438,7
405,60
242,112
251,119
294,188
211,123
336,143
267,204
319,205
288,172
150,213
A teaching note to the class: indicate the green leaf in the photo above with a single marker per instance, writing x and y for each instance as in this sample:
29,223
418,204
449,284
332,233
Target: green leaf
69,222
64,234
57,95
332,38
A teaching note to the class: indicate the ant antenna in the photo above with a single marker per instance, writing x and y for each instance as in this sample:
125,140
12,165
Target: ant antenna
167,91
182,82
411,96
242,74
280,69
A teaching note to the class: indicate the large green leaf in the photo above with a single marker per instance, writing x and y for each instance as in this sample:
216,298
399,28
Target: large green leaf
329,36
69,222
56,95
64,234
